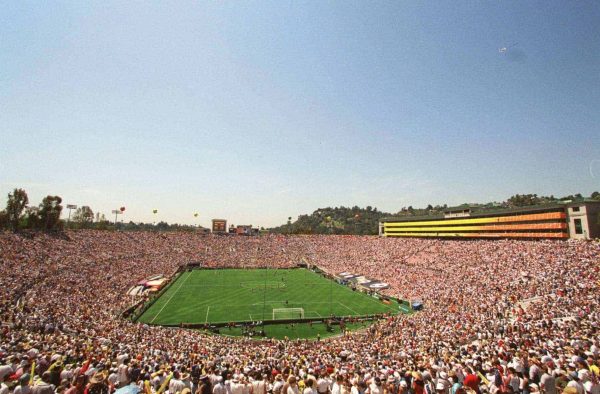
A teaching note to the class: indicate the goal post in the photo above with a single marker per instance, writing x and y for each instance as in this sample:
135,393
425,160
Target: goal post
288,313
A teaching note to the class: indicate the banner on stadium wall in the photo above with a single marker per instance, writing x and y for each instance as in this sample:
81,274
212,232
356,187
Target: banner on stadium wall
363,281
153,283
378,286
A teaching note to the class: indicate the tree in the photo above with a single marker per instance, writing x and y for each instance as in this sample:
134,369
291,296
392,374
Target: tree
596,195
162,226
3,220
575,198
101,222
523,200
17,202
32,218
50,210
84,216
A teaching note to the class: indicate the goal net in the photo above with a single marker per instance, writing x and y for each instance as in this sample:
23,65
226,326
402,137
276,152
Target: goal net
288,313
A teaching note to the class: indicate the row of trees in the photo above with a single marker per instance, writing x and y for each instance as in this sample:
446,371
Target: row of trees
355,220
18,214
516,201
523,200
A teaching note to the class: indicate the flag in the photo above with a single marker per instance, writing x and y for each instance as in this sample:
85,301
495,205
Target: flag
165,384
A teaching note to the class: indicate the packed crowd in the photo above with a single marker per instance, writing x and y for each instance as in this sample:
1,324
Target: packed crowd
500,317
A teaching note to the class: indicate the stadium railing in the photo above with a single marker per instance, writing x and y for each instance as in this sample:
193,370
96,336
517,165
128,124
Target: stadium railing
332,320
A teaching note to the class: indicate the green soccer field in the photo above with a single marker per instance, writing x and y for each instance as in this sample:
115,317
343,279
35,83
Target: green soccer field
236,295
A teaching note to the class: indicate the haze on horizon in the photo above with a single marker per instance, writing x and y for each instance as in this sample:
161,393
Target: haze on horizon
258,111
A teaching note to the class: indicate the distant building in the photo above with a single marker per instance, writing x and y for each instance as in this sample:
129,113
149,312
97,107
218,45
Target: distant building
219,226
583,220
555,221
242,229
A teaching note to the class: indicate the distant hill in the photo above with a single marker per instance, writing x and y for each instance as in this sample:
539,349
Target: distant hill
355,220
338,220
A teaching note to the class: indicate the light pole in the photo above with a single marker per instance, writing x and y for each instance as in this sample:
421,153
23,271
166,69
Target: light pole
70,207
116,212
329,224
119,211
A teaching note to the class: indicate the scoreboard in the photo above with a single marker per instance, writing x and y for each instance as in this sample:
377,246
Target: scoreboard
219,225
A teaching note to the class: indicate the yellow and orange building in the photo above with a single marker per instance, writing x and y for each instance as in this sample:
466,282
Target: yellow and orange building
561,221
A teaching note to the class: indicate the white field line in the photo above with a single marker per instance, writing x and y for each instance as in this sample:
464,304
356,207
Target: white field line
207,309
282,301
170,298
378,302
350,309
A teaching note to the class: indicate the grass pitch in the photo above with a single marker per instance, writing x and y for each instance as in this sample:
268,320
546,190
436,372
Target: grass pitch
236,295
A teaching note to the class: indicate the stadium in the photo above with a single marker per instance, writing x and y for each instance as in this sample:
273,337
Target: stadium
299,197
488,305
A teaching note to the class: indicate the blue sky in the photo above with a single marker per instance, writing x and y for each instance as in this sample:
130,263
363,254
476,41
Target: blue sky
256,111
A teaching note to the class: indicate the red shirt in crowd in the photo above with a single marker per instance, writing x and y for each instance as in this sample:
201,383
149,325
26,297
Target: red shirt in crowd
472,381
